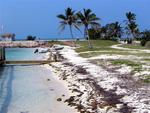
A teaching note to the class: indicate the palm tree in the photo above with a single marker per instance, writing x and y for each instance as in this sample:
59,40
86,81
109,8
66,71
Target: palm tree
131,17
69,18
132,27
117,29
87,18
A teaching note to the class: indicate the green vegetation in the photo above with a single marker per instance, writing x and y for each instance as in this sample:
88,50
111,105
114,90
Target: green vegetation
97,45
131,27
147,44
93,30
30,37
147,79
145,37
112,52
87,18
147,59
136,66
132,46
56,42
92,54
70,19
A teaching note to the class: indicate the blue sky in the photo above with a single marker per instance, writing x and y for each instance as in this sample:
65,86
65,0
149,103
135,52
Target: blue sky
38,17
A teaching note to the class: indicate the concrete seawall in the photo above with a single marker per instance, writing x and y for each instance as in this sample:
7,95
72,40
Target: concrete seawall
26,44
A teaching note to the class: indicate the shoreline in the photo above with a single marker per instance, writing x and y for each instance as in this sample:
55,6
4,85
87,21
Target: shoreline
38,90
93,94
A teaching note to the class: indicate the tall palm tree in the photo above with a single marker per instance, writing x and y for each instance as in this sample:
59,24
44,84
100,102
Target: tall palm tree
132,27
131,17
117,29
87,18
70,19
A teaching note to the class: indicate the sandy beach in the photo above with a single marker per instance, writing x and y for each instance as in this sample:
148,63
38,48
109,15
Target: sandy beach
96,89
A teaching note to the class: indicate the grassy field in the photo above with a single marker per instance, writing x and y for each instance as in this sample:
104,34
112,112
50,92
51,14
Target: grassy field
102,47
132,46
136,66
115,52
97,45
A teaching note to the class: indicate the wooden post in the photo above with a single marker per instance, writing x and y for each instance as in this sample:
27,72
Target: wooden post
2,55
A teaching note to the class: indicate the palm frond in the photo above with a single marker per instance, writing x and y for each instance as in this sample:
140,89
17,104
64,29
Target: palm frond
62,26
61,16
77,27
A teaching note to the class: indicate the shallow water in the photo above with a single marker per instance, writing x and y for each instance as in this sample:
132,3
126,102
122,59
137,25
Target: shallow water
22,54
25,89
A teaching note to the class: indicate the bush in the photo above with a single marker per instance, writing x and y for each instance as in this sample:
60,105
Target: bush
129,41
31,37
145,37
147,44
93,34
143,42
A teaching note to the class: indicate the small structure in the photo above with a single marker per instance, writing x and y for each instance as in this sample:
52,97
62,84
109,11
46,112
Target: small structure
8,37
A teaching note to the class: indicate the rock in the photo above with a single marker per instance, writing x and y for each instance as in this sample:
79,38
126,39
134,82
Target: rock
63,95
59,99
48,79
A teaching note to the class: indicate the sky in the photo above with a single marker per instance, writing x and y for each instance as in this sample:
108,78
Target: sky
38,17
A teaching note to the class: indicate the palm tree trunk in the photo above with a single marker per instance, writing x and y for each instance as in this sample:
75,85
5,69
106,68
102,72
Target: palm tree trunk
88,38
85,33
73,43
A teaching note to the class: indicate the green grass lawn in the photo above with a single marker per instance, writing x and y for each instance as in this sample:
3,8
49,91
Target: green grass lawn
97,45
93,54
55,42
136,66
132,46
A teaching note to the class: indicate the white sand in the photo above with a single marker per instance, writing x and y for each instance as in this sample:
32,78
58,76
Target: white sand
106,79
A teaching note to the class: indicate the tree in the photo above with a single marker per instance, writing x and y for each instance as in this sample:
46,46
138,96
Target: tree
145,37
87,18
70,19
103,32
13,37
94,33
132,27
112,31
31,37
117,29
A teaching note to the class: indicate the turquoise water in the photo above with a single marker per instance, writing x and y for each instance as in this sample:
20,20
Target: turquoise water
22,54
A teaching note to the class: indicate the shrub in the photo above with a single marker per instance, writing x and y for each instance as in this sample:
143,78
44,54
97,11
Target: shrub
129,41
143,42
31,37
145,37
147,44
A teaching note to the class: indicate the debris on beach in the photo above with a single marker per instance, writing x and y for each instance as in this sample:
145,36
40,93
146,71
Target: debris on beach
99,88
